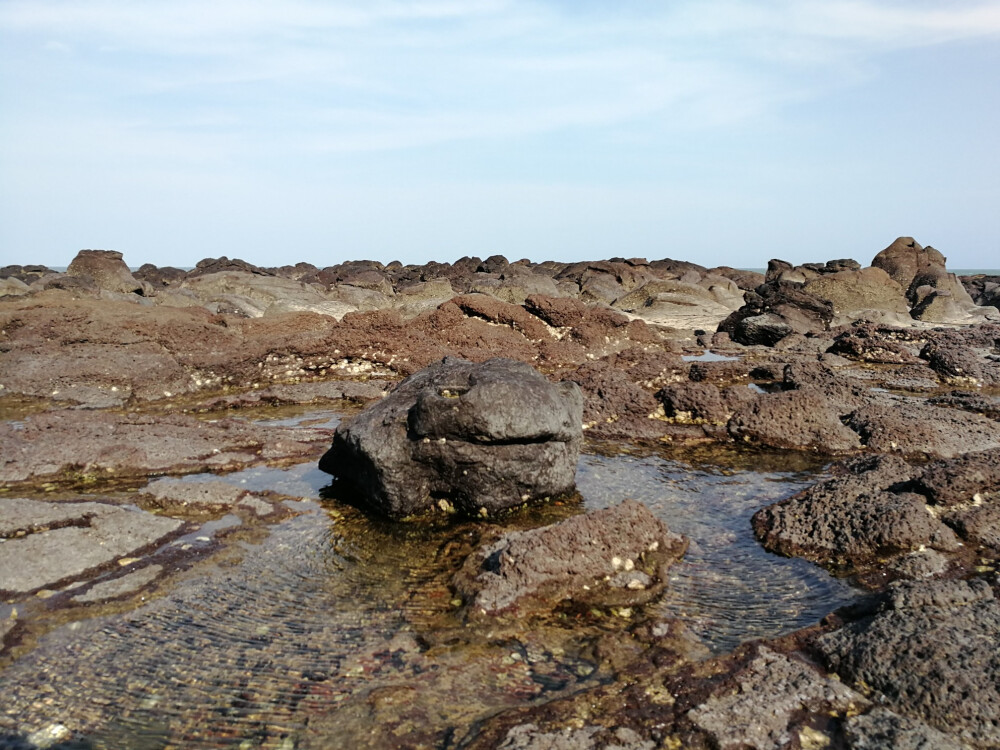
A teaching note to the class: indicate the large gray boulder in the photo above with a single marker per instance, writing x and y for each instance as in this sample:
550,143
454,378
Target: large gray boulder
473,437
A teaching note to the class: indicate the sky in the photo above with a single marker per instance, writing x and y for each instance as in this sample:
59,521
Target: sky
724,132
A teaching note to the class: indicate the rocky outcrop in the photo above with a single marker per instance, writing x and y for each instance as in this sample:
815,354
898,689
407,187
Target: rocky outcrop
854,518
474,437
76,447
802,420
107,269
934,295
930,653
618,556
917,429
44,544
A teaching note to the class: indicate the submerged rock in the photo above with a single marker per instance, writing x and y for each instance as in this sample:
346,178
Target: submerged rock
61,541
612,557
476,437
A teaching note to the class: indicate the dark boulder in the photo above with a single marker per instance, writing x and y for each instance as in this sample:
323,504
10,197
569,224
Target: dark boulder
618,556
475,437
775,310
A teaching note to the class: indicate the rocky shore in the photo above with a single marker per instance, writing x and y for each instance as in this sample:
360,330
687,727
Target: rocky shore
116,384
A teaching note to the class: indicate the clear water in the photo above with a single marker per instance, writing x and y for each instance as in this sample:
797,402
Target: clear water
252,647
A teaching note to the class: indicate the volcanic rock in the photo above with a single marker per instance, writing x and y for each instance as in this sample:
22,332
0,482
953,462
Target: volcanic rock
476,437
75,446
855,518
767,699
801,420
61,541
910,428
929,653
618,556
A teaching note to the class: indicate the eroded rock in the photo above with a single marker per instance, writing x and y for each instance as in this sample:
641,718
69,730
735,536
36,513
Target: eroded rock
483,436
618,556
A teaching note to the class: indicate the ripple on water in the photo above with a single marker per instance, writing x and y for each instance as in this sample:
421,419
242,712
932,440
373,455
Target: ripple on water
239,653
727,588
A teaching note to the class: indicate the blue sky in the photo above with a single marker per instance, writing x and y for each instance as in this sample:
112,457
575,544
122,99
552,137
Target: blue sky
721,132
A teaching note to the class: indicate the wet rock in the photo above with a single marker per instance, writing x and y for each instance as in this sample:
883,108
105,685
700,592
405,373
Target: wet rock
801,420
477,436
618,556
855,518
213,498
928,653
82,447
880,728
767,701
919,429
530,737
121,586
107,269
703,402
67,540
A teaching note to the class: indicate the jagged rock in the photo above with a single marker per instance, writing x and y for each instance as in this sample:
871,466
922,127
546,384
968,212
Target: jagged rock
930,653
854,518
768,700
483,436
880,729
703,402
618,556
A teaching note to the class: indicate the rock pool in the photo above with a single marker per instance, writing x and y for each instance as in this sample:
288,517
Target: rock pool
327,624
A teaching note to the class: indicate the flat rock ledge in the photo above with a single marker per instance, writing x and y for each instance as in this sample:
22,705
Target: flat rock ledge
45,543
618,556
458,435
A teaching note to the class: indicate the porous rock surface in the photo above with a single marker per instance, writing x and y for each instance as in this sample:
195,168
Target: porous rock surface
770,694
930,652
478,436
799,419
854,517
922,429
610,557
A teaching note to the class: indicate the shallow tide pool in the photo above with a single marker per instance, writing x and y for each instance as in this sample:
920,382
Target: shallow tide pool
244,648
